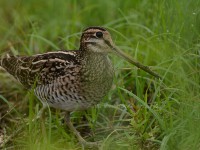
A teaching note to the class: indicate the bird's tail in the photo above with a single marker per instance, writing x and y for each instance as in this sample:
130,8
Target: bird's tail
2,57
8,63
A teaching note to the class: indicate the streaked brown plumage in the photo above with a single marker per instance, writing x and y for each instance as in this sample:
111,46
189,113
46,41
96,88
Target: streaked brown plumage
69,80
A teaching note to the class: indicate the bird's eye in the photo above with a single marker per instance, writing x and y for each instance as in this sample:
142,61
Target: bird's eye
99,34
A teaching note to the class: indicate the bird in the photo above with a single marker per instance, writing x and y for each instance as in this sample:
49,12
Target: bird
70,80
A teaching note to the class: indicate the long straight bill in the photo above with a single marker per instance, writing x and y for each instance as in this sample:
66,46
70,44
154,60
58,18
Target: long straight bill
134,62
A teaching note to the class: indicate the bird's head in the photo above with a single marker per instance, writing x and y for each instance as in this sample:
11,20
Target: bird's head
96,39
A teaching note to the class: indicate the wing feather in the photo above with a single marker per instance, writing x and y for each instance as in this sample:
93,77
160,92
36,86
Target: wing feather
41,68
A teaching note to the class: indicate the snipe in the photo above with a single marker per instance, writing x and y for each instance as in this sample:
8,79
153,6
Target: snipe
70,80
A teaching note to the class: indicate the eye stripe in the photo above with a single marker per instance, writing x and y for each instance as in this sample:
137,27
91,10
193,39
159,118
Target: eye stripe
89,36
89,32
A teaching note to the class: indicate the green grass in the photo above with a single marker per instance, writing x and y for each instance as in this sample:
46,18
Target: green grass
139,112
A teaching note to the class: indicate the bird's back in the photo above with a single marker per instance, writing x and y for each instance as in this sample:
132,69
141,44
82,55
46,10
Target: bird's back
40,69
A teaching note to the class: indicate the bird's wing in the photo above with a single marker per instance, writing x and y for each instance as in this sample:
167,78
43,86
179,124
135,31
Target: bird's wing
41,68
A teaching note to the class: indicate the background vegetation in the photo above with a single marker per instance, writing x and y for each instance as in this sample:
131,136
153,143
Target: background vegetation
139,112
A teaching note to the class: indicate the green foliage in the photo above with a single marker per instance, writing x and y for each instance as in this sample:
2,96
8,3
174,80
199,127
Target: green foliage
140,112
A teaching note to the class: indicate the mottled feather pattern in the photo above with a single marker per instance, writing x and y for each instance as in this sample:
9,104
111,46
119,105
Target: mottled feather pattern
68,80
64,79
41,68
